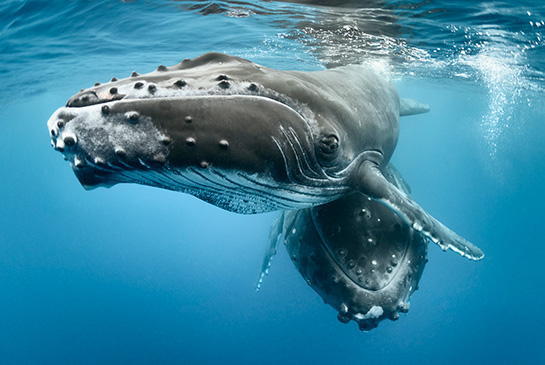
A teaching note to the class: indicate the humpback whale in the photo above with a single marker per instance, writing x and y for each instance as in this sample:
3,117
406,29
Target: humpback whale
251,139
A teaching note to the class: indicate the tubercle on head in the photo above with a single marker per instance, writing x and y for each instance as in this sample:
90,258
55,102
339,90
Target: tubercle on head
164,81
156,85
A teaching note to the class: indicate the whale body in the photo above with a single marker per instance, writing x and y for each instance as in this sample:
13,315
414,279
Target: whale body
251,139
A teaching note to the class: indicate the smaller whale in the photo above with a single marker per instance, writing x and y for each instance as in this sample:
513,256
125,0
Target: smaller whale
359,256
246,138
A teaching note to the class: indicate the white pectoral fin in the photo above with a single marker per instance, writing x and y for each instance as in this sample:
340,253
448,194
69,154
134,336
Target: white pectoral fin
275,237
374,184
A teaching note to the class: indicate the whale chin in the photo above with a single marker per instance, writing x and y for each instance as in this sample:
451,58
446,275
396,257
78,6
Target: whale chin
358,256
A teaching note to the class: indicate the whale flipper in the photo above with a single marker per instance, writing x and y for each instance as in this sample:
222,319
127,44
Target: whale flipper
275,237
375,185
392,174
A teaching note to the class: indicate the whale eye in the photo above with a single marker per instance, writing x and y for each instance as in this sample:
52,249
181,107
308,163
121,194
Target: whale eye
327,148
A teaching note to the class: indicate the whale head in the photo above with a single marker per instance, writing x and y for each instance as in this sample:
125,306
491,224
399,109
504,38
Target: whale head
221,128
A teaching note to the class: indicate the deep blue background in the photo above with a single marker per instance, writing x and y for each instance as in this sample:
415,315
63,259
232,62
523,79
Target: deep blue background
133,274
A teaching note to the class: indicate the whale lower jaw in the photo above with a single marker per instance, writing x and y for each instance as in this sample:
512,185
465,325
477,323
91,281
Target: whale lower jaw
233,191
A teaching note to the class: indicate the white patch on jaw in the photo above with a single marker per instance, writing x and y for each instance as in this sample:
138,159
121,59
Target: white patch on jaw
375,312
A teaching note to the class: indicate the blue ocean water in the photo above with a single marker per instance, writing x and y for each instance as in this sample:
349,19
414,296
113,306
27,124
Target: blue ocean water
133,274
